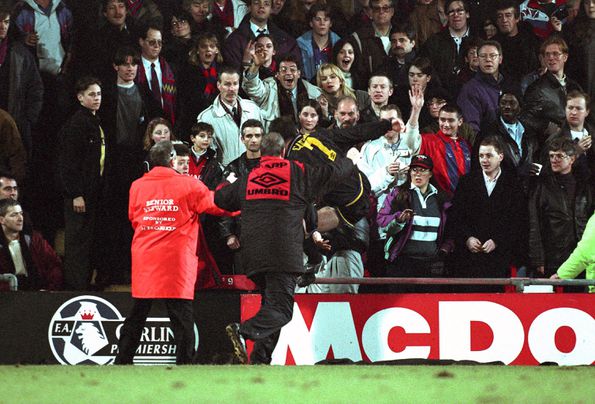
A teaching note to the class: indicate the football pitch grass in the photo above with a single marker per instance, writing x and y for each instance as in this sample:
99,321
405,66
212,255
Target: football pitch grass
296,384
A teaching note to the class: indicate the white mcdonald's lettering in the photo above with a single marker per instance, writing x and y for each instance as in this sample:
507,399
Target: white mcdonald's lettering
333,327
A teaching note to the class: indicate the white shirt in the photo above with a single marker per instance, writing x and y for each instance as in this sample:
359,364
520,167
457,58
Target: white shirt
254,28
17,257
491,183
578,135
147,66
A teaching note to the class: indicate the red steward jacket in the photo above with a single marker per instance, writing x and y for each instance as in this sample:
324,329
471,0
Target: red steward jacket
164,210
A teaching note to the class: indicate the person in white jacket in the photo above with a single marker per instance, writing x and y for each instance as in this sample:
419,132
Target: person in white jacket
281,95
227,114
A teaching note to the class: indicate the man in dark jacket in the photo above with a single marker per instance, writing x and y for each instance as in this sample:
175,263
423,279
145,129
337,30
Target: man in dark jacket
273,199
545,98
81,167
560,205
255,23
21,88
487,218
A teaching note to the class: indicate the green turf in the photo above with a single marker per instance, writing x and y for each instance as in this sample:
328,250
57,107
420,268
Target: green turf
296,384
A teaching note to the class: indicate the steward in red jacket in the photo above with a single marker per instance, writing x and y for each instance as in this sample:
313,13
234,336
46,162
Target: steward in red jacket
164,210
273,199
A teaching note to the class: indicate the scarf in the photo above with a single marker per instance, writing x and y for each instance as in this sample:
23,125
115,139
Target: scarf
285,104
225,15
134,6
210,76
168,87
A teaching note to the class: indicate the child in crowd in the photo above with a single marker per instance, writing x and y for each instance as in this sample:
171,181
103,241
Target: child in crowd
182,157
203,164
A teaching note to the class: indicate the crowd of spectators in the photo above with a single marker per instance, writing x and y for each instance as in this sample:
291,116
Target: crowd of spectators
494,168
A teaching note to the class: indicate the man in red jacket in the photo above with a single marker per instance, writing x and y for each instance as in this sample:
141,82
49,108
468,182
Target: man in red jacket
164,210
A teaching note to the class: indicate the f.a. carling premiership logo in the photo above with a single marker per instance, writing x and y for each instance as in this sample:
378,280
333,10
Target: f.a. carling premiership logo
85,330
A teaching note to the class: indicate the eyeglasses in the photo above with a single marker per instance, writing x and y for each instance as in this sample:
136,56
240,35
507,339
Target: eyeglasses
555,55
384,9
285,69
155,42
177,23
457,11
419,170
558,156
491,56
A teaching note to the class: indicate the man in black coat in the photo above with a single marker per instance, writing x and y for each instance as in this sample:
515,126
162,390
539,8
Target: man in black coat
273,199
488,219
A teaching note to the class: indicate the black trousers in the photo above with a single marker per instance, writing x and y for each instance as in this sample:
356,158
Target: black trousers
275,311
182,319
408,267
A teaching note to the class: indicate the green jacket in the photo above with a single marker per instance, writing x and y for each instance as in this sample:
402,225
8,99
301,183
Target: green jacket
583,256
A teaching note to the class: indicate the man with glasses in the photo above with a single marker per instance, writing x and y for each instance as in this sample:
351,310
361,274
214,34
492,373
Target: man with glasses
281,95
373,40
155,77
257,23
478,98
560,205
545,98
445,48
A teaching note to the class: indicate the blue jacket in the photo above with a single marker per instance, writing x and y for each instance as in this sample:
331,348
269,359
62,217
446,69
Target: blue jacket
305,44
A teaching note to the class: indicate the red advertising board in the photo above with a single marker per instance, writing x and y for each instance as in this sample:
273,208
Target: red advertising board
517,329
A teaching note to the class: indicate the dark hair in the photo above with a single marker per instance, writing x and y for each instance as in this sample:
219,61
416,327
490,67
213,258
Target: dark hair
105,3
7,174
579,94
181,14
226,70
318,7
449,2
489,42
272,144
5,10
380,74
356,55
285,126
181,148
392,107
201,127
5,204
493,141
124,52
312,104
422,63
504,4
288,58
406,28
562,143
452,109
144,29
85,82
473,42
251,123
263,35
162,153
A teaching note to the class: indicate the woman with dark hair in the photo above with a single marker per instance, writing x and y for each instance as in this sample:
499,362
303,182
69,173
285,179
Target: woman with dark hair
580,37
180,40
414,217
347,58
197,80
309,116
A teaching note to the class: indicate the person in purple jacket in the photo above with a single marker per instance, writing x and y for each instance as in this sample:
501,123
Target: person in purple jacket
414,216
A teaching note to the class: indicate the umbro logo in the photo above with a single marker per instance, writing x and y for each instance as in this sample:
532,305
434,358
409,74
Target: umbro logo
268,180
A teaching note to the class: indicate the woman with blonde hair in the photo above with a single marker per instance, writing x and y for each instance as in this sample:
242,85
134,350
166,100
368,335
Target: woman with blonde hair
331,81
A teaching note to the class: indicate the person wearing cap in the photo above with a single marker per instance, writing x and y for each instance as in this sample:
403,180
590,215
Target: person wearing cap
414,218
488,219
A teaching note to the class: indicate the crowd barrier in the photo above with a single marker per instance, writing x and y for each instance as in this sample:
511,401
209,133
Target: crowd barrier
514,328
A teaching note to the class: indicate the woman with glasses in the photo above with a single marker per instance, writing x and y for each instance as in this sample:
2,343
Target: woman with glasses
414,217
180,41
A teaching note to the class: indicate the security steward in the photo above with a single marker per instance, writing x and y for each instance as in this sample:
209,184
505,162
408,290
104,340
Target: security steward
273,199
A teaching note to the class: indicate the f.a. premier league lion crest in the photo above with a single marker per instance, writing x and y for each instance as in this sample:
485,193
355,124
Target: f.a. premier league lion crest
82,331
